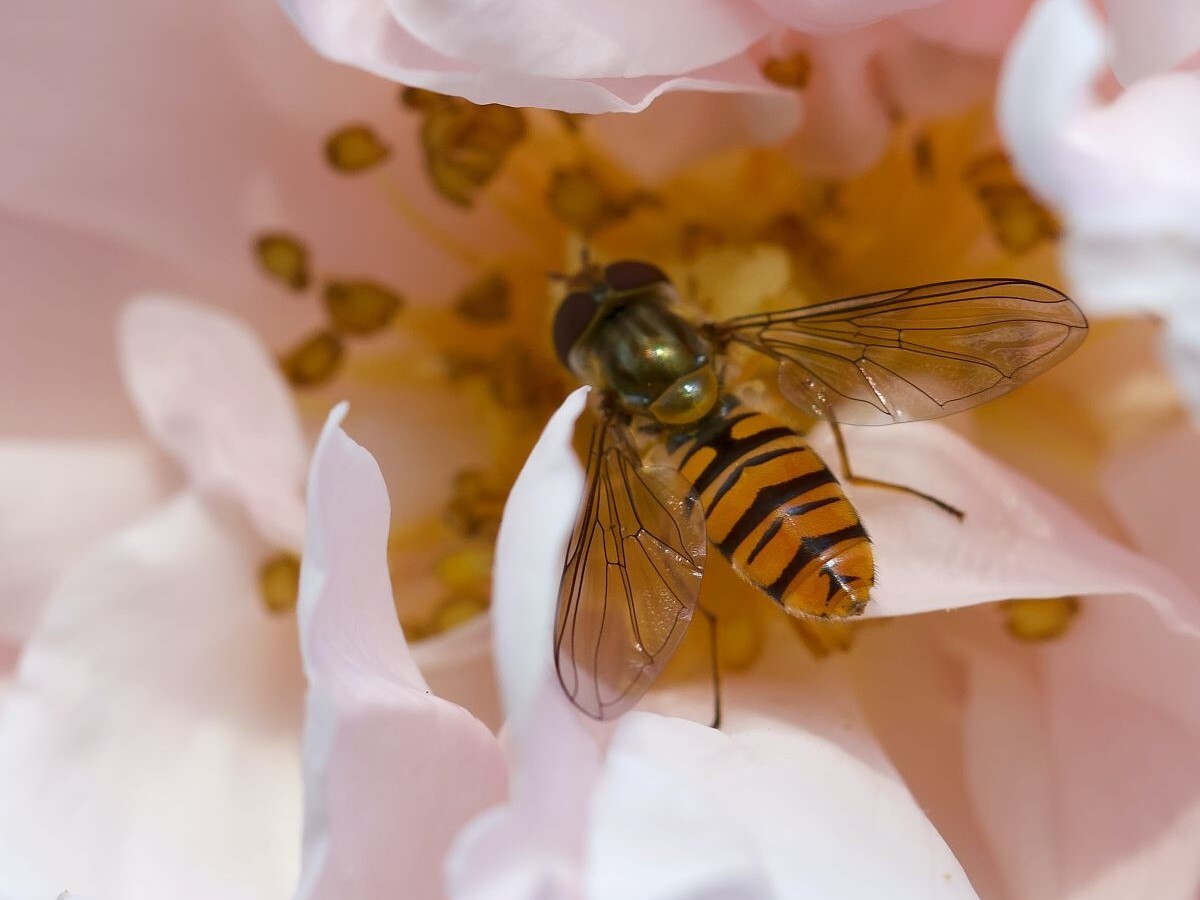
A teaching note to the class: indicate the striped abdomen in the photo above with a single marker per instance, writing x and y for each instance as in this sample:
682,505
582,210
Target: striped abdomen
777,513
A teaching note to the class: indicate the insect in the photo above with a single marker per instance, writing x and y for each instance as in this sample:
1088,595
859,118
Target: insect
739,478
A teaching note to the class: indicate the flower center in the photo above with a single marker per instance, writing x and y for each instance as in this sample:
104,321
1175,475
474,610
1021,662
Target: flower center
743,231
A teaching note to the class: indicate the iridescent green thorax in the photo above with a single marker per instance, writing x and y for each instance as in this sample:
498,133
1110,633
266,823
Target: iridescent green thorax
618,333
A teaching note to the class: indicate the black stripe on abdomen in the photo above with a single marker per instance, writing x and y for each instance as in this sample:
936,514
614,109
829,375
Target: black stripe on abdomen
813,547
728,450
798,510
769,500
731,480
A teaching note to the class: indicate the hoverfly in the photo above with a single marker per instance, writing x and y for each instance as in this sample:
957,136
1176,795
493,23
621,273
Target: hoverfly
739,478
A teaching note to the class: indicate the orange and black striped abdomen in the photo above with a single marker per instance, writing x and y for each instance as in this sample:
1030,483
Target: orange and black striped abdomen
777,513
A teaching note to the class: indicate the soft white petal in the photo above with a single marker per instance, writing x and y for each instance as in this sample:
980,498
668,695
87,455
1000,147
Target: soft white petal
391,771
1126,170
576,39
363,33
208,393
1047,81
56,500
1135,162
148,746
538,516
1125,176
792,798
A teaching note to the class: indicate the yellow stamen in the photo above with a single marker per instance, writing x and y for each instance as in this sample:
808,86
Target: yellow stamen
360,307
791,71
1019,222
485,301
283,257
465,569
314,361
579,197
1040,620
279,582
355,148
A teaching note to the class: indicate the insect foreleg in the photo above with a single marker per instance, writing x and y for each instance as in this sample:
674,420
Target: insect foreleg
872,482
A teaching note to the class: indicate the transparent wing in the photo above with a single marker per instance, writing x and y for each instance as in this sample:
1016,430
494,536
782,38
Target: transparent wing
915,353
631,577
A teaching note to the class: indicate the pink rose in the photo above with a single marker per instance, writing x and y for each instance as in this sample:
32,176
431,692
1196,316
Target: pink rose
151,734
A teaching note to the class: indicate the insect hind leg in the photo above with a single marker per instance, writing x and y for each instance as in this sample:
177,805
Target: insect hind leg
874,482
711,618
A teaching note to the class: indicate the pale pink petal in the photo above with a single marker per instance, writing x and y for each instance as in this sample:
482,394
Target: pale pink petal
785,800
912,694
1058,736
148,746
1151,36
685,126
10,653
1108,709
580,39
926,80
228,105
1081,756
440,428
159,143
816,16
863,79
62,291
56,500
1150,477
209,394
1017,540
533,845
1011,773
457,665
392,771
364,33
971,26
846,121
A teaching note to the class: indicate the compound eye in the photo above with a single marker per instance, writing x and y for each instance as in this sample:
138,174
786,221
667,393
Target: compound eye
631,274
574,315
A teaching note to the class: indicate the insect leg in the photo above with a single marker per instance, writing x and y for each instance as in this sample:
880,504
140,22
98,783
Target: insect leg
716,668
872,482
